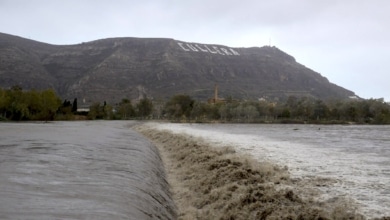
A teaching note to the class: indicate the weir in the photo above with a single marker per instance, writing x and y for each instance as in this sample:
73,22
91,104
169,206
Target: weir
81,170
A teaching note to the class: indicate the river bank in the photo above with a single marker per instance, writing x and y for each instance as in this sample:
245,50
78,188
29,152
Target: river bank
218,183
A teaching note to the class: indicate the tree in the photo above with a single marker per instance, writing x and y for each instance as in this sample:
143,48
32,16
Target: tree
107,111
321,110
285,113
200,111
66,108
250,112
4,103
223,112
179,106
125,109
35,105
144,108
50,103
16,104
18,109
95,111
238,112
74,106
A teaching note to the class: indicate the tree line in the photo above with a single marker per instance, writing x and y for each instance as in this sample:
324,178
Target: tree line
183,108
124,110
16,104
19,105
292,110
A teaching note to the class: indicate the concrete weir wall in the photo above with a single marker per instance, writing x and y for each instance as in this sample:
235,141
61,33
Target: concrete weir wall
81,170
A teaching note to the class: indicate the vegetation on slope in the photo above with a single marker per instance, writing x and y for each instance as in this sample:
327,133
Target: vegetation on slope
116,68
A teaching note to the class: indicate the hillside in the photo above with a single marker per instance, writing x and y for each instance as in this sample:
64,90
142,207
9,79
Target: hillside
112,69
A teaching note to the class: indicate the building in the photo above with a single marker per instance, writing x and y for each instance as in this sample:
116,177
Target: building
216,99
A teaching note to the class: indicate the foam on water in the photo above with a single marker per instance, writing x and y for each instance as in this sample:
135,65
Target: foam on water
353,162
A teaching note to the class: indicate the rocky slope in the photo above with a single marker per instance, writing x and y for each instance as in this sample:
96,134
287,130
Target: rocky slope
112,69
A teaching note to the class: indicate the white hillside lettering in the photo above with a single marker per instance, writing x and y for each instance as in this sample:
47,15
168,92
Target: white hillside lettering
206,49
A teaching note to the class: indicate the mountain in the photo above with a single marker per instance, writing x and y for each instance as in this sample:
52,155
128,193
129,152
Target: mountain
113,69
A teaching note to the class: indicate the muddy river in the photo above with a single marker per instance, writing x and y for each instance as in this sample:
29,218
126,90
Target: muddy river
80,170
355,158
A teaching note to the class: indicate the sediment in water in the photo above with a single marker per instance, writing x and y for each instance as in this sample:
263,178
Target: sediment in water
81,170
217,183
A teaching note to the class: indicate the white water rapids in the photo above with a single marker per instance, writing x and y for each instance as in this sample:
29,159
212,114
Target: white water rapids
356,159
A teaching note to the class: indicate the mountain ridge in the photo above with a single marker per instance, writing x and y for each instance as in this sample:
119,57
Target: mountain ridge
115,68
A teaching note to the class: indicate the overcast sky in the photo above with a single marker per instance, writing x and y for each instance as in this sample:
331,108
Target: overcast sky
347,41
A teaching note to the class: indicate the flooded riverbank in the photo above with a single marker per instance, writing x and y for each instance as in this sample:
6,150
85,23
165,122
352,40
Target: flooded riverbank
80,170
107,170
337,181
